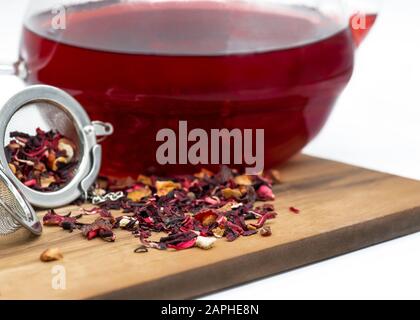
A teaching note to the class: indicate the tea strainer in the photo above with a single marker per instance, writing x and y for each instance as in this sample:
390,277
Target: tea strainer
15,211
52,109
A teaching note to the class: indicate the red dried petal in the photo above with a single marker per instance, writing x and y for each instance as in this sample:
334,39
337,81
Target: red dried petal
294,210
183,245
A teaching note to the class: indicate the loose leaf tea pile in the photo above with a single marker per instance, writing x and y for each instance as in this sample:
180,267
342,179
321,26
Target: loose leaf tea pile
44,162
191,210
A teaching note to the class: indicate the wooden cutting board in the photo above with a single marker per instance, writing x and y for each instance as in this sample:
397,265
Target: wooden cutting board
343,208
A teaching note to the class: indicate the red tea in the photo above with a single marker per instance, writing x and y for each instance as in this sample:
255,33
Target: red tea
361,25
145,67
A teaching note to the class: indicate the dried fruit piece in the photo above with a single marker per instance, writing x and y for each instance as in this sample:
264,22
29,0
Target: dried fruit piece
102,227
275,174
243,180
229,193
204,173
145,180
12,168
266,231
138,194
52,254
68,147
47,181
205,243
218,232
164,187
206,217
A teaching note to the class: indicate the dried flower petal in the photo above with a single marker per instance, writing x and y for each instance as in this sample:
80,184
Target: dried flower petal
206,217
183,245
294,210
102,227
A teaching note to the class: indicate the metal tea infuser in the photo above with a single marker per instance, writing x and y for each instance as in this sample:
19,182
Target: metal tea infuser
54,108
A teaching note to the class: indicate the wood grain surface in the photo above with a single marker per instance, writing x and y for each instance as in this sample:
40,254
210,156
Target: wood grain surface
343,208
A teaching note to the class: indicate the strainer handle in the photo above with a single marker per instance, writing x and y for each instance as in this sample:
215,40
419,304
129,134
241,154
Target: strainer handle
14,69
93,174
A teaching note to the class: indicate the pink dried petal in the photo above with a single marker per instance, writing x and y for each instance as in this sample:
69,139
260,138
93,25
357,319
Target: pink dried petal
30,183
212,201
149,220
92,234
263,219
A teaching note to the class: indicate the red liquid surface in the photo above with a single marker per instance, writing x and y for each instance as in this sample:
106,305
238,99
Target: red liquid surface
144,68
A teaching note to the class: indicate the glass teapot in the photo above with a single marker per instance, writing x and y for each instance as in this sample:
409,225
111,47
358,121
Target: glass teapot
145,65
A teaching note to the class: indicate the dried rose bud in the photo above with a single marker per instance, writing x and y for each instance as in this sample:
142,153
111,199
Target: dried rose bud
52,254
265,193
266,231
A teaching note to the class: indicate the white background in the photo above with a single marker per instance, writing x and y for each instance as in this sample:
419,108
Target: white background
376,124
